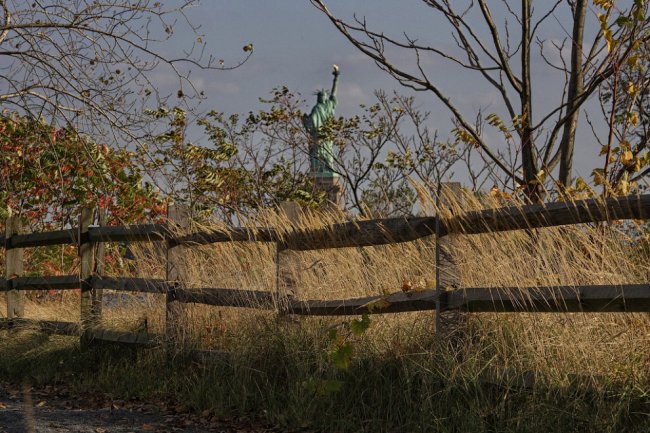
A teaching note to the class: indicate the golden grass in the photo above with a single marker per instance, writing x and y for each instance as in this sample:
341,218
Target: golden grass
553,346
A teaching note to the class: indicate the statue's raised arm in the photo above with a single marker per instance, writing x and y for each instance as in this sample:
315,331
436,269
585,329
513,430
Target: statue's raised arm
335,82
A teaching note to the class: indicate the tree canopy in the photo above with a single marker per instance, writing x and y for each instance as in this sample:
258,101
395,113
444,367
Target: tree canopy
495,42
88,64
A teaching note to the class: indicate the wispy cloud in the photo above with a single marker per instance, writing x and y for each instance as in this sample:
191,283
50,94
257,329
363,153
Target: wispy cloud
351,94
224,87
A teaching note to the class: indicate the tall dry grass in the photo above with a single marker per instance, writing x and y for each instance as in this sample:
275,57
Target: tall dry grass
552,344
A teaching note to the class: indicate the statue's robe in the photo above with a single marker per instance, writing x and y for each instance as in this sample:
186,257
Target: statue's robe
320,152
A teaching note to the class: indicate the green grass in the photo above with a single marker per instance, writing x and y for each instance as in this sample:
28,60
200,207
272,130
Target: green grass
413,390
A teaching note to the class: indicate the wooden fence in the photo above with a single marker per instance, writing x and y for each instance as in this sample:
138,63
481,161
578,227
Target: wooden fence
89,239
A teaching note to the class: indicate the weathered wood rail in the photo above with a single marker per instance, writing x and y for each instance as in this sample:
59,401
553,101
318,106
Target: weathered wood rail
587,298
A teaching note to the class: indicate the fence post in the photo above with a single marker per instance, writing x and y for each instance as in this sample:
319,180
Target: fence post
14,269
177,217
100,266
88,314
286,263
447,275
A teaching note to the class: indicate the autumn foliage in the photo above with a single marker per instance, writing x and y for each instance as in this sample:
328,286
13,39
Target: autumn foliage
49,173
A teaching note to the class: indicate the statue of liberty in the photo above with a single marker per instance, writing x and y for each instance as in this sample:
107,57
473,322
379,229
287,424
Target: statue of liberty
321,157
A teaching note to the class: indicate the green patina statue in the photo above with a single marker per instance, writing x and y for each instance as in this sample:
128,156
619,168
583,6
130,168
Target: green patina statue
320,149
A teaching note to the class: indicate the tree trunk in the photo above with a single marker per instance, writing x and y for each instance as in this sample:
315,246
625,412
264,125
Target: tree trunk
528,150
576,87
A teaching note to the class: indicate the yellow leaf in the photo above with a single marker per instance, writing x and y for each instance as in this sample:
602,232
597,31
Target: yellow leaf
419,288
623,186
379,304
631,89
420,285
627,157
605,4
603,20
464,136
603,150
607,33
634,118
581,184
599,176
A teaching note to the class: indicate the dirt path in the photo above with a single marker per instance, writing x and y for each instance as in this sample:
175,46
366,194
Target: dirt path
24,409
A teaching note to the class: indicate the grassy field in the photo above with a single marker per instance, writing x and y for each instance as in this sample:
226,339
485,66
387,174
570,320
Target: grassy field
532,372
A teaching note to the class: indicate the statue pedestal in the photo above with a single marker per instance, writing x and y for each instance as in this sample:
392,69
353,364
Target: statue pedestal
332,186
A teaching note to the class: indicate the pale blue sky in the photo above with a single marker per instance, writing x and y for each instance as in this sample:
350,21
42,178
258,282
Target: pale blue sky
296,45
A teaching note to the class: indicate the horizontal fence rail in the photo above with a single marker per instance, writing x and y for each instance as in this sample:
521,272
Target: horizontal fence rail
227,298
380,304
207,296
133,233
237,234
63,282
126,337
143,285
628,298
367,232
73,329
51,326
549,215
361,233
585,298
59,237
562,299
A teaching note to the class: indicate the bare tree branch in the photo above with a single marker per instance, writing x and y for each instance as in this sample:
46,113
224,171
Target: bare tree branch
88,64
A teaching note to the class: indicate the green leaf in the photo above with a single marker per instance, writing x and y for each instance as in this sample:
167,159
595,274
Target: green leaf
623,21
330,386
358,327
341,356
323,387
379,304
